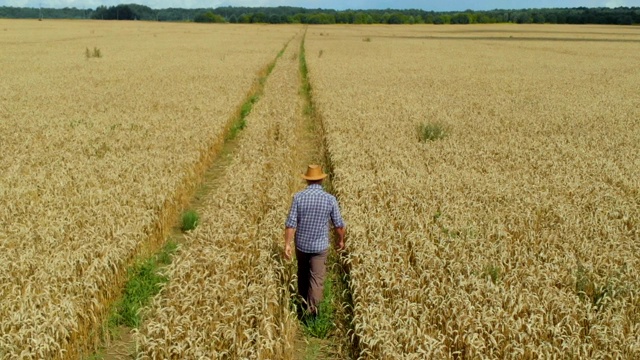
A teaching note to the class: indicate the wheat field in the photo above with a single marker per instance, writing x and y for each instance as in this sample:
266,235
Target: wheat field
98,155
514,236
226,298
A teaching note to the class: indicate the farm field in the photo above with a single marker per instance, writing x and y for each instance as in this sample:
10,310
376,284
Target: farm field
98,154
226,297
513,236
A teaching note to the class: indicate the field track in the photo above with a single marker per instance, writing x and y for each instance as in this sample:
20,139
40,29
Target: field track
280,139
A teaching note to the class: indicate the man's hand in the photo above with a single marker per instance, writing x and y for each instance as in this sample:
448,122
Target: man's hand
289,234
340,239
287,252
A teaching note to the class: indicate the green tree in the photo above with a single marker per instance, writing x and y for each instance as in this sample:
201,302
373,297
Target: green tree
538,18
245,18
460,19
209,17
259,18
362,18
396,18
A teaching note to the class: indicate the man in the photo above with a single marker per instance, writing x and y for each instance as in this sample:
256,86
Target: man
308,222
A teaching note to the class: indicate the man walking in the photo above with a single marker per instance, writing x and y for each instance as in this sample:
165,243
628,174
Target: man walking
308,222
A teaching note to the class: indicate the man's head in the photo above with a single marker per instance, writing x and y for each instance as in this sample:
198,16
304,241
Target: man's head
314,174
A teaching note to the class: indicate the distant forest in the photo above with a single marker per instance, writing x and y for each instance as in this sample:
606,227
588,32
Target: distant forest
293,15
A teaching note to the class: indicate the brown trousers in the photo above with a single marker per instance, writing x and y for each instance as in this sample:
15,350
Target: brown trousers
311,272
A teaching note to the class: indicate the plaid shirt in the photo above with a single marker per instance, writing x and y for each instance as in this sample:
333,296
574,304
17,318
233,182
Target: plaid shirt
309,215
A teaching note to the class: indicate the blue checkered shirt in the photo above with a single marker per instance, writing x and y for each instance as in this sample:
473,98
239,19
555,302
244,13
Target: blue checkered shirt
309,215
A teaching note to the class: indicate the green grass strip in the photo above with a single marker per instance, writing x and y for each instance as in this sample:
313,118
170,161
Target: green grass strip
240,123
144,282
306,86
321,325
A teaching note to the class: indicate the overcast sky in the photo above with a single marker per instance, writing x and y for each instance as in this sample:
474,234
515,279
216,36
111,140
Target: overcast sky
436,5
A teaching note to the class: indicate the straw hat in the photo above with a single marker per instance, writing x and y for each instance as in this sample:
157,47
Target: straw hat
314,172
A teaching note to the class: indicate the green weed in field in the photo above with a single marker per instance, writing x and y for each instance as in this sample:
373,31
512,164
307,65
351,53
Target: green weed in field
190,220
96,53
431,131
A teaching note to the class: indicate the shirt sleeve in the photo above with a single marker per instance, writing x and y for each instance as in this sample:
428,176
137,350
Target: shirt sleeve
336,217
292,219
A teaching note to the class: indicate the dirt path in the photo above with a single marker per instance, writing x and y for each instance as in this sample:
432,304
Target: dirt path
336,344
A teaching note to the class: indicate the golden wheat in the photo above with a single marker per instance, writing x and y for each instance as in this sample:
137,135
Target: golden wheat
226,297
97,157
516,236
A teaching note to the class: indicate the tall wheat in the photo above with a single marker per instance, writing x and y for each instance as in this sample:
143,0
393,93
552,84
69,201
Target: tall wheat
227,297
515,236
97,157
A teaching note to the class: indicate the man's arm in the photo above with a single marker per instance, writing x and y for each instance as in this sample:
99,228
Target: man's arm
338,224
290,229
289,233
340,238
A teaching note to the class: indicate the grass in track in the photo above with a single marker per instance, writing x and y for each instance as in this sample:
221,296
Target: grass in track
145,278
327,336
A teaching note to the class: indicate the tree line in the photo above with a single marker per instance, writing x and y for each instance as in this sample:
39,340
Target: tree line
292,15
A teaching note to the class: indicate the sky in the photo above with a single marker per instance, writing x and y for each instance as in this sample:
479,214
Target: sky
435,5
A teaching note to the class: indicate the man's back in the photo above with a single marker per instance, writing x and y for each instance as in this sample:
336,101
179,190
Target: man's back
311,210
